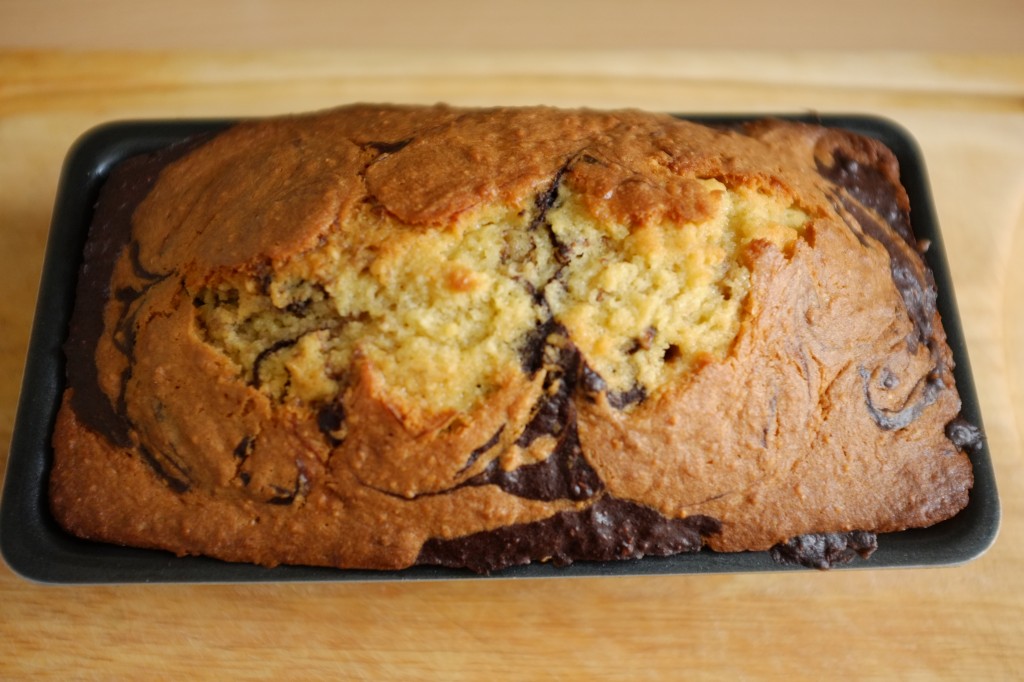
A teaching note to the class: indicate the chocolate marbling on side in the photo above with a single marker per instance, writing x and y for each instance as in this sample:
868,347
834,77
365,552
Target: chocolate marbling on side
607,530
109,232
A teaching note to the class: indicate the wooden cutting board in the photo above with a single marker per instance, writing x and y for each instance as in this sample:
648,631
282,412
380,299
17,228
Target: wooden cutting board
967,113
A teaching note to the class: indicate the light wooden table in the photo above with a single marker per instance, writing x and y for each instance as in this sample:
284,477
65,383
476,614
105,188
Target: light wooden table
957,623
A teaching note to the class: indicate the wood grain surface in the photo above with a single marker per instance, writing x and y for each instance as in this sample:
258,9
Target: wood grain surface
930,25
967,113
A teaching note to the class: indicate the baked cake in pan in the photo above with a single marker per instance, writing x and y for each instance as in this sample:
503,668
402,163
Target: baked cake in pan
383,336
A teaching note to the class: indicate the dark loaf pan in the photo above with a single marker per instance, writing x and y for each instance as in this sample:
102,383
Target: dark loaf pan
38,549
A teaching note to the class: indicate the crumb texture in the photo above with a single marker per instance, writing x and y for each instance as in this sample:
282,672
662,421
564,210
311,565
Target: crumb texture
376,336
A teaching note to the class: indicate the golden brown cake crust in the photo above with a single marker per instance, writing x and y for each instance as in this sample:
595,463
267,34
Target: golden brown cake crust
813,397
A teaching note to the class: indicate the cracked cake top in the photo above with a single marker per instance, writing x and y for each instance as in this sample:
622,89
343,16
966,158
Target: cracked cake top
342,338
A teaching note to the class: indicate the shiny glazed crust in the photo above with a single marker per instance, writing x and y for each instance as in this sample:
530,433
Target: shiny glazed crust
226,398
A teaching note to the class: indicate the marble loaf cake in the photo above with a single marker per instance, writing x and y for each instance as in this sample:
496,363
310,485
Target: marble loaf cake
383,336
